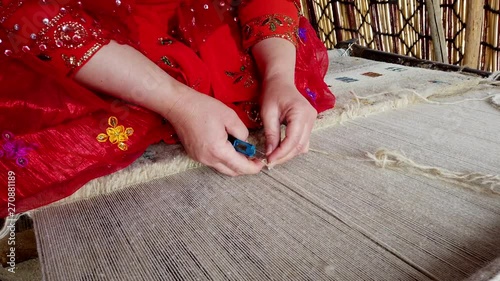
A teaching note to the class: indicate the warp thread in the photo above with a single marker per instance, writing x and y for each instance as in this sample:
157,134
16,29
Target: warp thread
385,158
11,220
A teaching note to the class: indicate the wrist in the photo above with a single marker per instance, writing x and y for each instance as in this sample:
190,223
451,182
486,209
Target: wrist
281,78
275,59
174,93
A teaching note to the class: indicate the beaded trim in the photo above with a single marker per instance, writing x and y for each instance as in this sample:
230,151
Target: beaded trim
67,35
71,61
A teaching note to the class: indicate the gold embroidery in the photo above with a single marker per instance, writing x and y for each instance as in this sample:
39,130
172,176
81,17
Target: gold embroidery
116,134
72,62
274,25
167,61
71,35
241,75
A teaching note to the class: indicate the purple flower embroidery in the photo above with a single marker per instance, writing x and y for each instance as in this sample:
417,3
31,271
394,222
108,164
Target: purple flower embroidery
15,149
302,34
311,95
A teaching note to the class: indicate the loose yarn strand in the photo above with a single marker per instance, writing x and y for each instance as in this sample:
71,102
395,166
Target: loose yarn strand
423,98
385,158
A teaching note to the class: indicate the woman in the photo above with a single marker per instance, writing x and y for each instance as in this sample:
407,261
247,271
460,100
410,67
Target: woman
87,86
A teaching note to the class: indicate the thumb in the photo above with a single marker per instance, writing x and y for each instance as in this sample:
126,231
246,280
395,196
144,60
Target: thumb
236,127
272,130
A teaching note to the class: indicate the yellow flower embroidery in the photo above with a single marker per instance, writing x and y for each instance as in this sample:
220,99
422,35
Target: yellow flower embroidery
116,134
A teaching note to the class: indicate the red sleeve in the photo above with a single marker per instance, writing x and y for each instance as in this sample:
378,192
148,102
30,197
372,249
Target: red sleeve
263,19
62,36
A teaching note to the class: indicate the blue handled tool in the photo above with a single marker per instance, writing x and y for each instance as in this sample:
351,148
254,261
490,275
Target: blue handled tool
245,148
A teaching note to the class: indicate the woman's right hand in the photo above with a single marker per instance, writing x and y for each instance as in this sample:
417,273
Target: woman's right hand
203,124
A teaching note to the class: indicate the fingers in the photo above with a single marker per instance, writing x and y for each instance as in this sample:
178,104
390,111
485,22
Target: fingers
226,160
272,130
236,127
223,169
239,163
296,142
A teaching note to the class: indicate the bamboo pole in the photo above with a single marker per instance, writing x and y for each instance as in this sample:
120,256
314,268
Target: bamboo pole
304,9
474,28
488,55
495,31
437,30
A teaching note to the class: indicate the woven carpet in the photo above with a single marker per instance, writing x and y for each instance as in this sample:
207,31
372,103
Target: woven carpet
347,75
318,217
329,215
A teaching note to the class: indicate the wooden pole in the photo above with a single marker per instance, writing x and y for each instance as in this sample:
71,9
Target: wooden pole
473,31
437,30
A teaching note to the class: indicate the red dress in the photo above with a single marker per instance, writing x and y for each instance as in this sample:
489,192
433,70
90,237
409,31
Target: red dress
57,135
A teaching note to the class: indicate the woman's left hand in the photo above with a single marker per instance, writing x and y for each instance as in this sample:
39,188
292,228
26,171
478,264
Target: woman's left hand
282,103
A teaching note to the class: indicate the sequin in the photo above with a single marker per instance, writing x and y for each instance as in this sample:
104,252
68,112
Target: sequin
118,2
165,41
76,38
16,27
116,134
7,135
8,53
222,3
44,57
205,7
33,36
1,41
167,61
22,162
46,21
25,49
71,35
42,47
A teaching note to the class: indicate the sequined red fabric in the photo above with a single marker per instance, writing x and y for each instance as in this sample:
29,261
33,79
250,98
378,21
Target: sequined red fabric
56,135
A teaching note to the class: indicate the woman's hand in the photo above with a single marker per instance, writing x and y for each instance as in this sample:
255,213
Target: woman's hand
283,103
203,124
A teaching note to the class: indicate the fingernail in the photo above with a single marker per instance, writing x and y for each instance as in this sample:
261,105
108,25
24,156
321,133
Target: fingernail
269,149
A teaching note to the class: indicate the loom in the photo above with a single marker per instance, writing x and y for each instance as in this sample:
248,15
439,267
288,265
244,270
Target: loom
426,207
